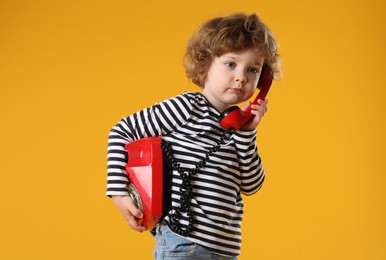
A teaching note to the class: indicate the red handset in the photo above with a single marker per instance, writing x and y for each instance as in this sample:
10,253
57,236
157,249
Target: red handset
234,117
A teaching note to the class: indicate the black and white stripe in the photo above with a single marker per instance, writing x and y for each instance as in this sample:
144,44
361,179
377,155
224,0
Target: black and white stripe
190,124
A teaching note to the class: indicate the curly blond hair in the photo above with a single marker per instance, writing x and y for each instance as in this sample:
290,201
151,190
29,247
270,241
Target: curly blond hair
232,33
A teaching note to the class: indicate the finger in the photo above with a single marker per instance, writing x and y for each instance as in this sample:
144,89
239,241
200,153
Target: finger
132,207
262,102
135,224
259,111
261,108
263,105
246,105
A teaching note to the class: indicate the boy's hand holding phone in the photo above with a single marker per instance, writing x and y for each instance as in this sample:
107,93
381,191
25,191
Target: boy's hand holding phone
258,110
129,211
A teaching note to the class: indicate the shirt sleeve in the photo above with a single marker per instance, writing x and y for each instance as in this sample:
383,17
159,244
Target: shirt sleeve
157,120
251,168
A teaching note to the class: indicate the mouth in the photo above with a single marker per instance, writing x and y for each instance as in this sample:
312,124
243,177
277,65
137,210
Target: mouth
236,90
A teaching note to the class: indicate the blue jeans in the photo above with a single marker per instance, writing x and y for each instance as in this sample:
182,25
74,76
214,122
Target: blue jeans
170,246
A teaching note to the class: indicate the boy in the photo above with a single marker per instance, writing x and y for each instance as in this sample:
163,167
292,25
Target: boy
225,58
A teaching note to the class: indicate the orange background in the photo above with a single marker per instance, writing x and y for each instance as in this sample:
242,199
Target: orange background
69,70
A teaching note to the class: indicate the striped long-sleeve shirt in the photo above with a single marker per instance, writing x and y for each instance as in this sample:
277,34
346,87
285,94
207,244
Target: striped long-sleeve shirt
189,123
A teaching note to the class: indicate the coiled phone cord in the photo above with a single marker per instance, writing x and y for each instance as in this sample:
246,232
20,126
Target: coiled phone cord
186,190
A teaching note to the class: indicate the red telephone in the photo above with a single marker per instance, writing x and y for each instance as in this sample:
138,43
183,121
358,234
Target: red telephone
150,177
234,117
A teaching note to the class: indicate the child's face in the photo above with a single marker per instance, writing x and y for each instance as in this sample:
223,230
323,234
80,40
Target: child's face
232,78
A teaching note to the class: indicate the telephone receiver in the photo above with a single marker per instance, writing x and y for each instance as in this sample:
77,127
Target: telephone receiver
234,117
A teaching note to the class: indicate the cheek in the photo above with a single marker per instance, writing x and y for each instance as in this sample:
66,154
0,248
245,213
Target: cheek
251,91
254,84
214,77
249,95
254,80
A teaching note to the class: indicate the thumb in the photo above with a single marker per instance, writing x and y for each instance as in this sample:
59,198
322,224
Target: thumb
136,212
246,105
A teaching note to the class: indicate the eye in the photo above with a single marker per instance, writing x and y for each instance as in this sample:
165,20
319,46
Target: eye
253,70
230,64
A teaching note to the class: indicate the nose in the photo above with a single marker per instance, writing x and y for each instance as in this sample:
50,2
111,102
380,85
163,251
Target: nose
240,77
